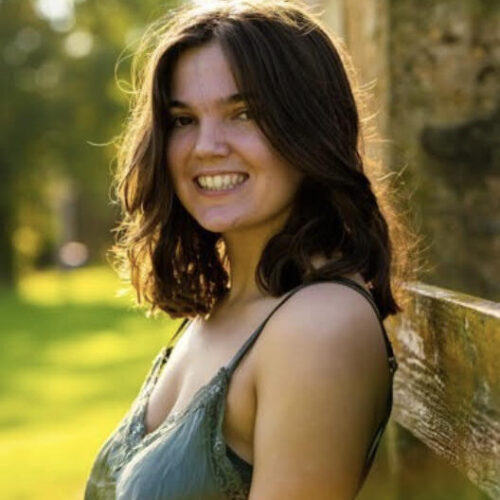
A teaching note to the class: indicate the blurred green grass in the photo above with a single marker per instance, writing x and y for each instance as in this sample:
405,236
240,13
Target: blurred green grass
73,356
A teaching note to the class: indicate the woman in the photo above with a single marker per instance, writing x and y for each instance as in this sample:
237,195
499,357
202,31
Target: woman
248,213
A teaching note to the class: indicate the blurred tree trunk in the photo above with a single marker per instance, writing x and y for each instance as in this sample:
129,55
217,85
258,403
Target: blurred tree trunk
6,225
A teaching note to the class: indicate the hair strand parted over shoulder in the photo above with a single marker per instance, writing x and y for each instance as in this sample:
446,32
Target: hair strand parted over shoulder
301,90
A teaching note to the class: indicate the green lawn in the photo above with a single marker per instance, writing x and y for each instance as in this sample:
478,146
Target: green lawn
73,357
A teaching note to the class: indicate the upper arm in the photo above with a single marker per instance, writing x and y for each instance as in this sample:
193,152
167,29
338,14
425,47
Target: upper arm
321,380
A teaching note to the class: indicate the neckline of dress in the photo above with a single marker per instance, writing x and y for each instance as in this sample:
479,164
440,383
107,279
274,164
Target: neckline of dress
174,418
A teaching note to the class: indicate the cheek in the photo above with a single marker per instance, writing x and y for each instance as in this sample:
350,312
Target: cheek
178,147
279,173
270,168
290,182
172,153
287,182
176,151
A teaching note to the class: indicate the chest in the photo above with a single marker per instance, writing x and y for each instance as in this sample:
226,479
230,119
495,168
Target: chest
192,364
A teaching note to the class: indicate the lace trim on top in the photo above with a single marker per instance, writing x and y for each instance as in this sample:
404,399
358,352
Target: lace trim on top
211,397
131,428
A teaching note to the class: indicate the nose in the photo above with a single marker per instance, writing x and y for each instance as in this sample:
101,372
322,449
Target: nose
211,140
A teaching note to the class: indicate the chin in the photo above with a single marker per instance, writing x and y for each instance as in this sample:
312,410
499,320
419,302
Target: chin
217,227
221,225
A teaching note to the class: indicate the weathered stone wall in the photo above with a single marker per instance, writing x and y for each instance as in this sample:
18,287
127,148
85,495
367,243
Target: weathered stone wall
362,26
445,123
435,66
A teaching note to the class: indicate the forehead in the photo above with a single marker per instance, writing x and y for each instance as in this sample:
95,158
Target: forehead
202,75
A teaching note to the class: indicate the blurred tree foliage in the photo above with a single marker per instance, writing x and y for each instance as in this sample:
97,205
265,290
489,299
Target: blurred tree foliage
61,100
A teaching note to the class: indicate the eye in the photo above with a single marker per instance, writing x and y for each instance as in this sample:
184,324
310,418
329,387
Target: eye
181,121
244,115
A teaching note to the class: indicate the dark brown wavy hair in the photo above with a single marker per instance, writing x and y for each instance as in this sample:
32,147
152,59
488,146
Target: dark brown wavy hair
299,82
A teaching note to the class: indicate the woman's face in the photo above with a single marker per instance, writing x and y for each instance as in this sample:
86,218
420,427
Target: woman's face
225,173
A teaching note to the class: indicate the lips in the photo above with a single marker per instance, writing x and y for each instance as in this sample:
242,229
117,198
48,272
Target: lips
219,184
219,172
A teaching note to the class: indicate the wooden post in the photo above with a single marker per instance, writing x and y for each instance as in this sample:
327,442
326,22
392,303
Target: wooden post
447,387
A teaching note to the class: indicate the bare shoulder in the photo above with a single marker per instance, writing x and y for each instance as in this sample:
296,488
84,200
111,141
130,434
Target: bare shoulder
330,319
321,385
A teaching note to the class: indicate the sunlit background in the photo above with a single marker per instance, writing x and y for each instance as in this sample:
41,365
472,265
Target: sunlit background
75,352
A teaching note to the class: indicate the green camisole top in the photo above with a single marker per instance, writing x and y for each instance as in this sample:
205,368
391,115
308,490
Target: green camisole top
186,457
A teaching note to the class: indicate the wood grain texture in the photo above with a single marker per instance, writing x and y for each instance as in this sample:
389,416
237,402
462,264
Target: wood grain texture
447,387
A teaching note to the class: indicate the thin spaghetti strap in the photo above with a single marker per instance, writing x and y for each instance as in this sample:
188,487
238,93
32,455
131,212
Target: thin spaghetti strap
162,357
169,346
393,365
355,285
231,366
153,372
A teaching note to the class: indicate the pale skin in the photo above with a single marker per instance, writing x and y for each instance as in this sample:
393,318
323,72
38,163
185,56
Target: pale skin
304,403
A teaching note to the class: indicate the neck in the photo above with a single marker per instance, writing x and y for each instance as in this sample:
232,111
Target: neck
244,253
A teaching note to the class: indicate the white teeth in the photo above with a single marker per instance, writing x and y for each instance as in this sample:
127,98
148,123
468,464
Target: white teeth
218,182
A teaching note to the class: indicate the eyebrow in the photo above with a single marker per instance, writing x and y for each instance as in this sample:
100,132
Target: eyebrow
232,99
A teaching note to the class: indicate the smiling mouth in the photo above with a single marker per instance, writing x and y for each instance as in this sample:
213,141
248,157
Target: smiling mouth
220,182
